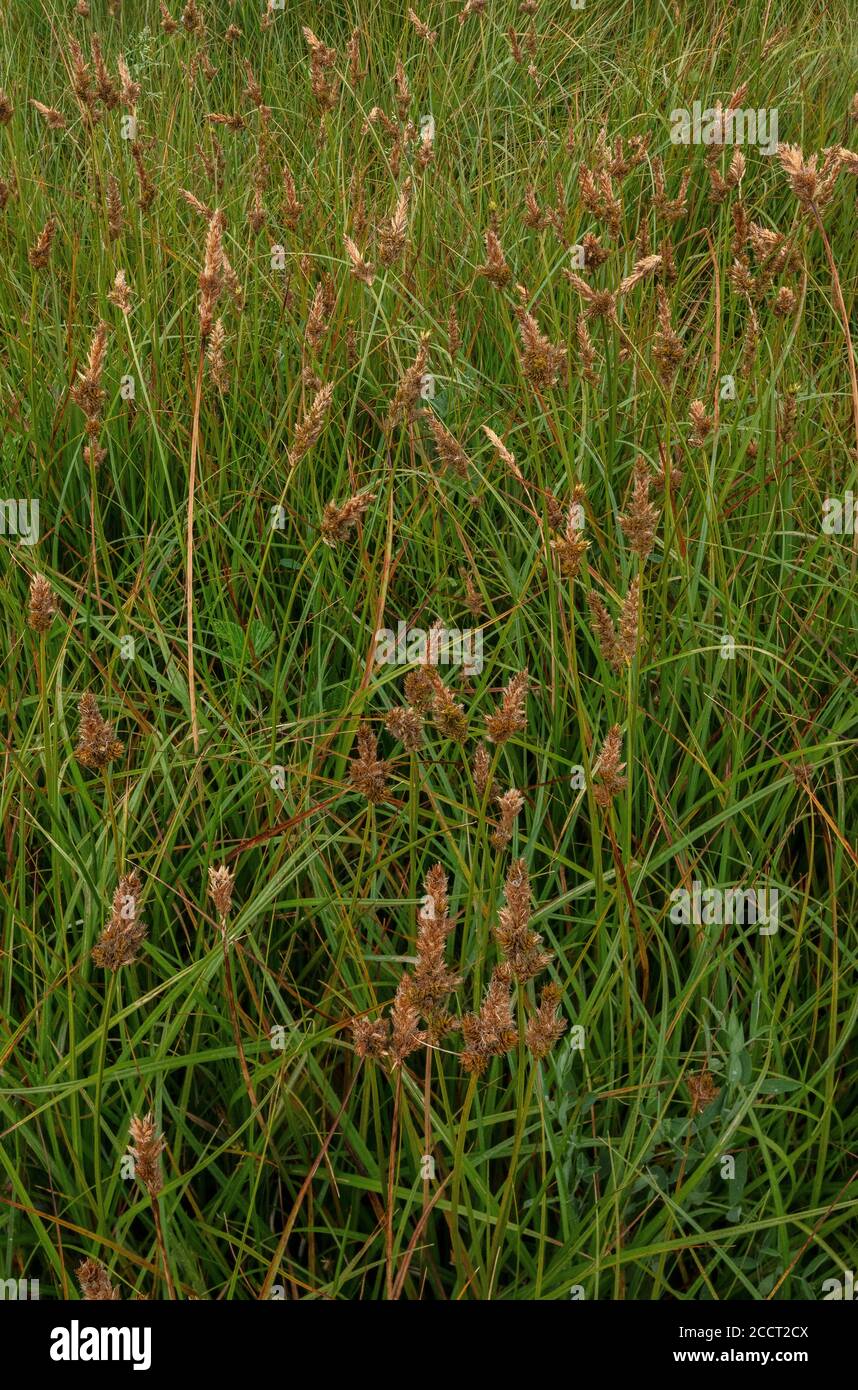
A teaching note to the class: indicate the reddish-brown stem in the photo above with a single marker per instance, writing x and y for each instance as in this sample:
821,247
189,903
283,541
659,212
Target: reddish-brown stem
391,1180
159,1236
189,554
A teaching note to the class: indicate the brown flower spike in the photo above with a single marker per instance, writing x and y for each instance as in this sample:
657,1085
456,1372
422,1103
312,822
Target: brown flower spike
406,724
211,276
495,268
406,1035
641,520
407,393
450,451
367,772
511,718
310,427
448,714
40,253
519,943
95,1282
423,993
570,548
702,1089
509,805
339,522
42,605
492,1031
97,745
220,890
146,1151
543,364
617,648
121,938
371,1037
546,1026
608,776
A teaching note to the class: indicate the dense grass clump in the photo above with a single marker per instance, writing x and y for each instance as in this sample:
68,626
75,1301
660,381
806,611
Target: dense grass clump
330,969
